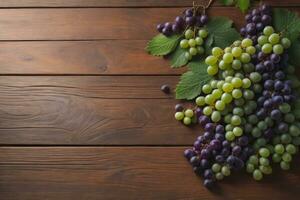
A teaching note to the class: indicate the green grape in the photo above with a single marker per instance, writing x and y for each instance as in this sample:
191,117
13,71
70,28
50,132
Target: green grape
246,83
264,161
192,42
217,93
199,41
257,88
229,127
189,34
269,122
238,111
237,93
226,98
220,84
187,121
262,125
248,67
285,108
236,120
268,30
256,132
236,64
216,116
216,167
279,149
250,168
261,142
211,60
257,175
188,56
184,43
223,65
189,113
262,40
266,48
245,58
212,70
207,110
264,152
286,43
225,171
276,158
227,87
219,176
289,118
200,50
284,165
253,160
217,51
237,131
253,119
294,131
286,138
255,77
179,116
229,136
237,82
239,75
248,94
228,79
220,105
274,38
250,50
246,43
291,149
236,52
193,51
228,58
237,43
227,50
206,89
266,169
286,157
213,84
203,33
278,49
200,101
209,99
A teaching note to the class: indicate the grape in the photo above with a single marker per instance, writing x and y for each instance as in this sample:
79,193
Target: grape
192,42
229,136
228,58
220,105
217,93
264,161
250,168
216,116
286,43
217,51
184,43
236,64
211,60
212,70
278,49
236,120
207,110
264,152
189,34
219,176
225,171
291,149
227,87
189,113
237,131
237,93
246,83
200,50
250,50
179,116
246,43
257,175
268,30
236,52
187,120
199,41
193,51
255,77
266,48
202,33
262,40
284,165
286,157
274,38
216,168
188,56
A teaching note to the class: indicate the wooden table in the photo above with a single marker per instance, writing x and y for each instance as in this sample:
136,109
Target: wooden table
81,113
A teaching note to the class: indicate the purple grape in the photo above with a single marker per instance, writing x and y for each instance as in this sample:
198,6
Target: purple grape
208,135
268,104
260,68
280,75
255,12
166,31
203,120
175,28
204,164
248,18
166,89
216,144
243,32
194,160
236,150
243,141
208,174
179,21
256,18
251,28
277,99
204,19
197,145
266,19
261,56
225,144
269,84
275,58
259,26
190,20
208,183
220,128
189,153
160,27
209,127
283,127
205,154
276,115
219,137
189,13
278,85
268,134
220,159
179,108
269,65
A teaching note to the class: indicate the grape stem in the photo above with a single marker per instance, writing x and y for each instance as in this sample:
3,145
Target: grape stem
204,7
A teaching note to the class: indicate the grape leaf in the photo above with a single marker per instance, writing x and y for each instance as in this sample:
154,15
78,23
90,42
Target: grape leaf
294,53
178,58
243,4
161,45
208,44
191,82
220,28
227,2
286,22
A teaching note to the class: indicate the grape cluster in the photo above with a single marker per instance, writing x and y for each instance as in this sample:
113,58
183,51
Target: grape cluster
190,18
246,109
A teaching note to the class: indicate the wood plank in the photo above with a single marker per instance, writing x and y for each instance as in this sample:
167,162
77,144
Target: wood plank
84,110
90,23
81,57
125,173
121,3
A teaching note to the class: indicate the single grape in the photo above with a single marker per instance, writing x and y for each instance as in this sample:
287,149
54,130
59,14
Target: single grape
207,110
216,116
268,30
200,101
225,171
227,87
236,120
262,40
237,93
189,113
267,48
291,149
184,43
199,41
237,51
286,43
179,116
237,131
212,70
257,175
211,60
189,34
246,42
264,152
193,51
236,64
217,51
220,105
278,49
203,33
245,58
228,58
274,38
187,121
284,165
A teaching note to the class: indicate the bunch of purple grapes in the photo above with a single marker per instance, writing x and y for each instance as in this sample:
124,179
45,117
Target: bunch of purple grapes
190,18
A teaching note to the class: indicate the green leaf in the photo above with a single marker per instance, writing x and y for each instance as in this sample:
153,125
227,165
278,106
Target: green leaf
191,82
286,22
227,2
227,37
243,4
294,53
161,45
208,44
220,28
178,58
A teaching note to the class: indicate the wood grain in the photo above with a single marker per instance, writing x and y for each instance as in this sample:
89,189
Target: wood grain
121,3
125,173
81,57
89,110
91,23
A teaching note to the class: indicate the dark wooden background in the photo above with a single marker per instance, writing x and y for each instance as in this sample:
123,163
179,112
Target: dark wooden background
81,113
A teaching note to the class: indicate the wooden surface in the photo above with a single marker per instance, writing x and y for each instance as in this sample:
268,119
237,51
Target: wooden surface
81,113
